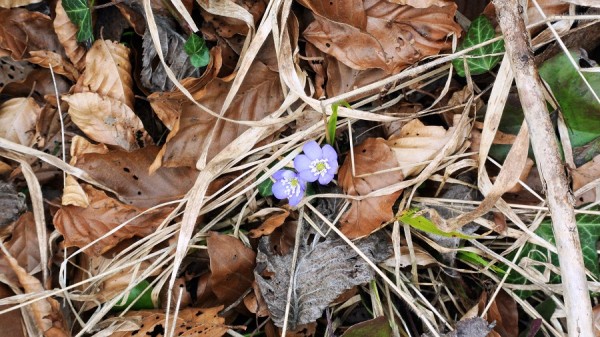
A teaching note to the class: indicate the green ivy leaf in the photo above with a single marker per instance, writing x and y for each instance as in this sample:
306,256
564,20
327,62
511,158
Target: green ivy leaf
195,48
80,14
144,302
421,223
265,188
481,61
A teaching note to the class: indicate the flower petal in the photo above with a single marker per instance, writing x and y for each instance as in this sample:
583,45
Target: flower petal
312,150
307,175
326,178
302,162
279,190
329,153
295,199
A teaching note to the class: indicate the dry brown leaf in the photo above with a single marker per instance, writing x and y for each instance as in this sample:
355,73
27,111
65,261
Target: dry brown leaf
80,226
46,312
503,312
13,71
549,7
231,267
259,95
422,257
60,65
379,34
38,84
583,175
108,72
23,31
12,204
11,322
226,26
367,215
107,120
17,3
66,32
190,322
127,174
270,224
81,146
596,316
422,3
73,194
18,117
23,246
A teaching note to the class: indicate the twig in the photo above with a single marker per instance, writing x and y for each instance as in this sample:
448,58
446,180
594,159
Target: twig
545,148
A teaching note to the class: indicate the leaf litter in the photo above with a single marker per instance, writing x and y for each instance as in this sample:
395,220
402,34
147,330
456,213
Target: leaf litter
418,233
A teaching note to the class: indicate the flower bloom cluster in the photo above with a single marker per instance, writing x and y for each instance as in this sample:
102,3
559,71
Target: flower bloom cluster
316,164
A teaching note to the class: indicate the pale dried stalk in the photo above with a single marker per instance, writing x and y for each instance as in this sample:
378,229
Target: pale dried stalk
545,148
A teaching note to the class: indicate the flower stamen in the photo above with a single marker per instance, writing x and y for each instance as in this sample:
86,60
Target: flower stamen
319,167
292,187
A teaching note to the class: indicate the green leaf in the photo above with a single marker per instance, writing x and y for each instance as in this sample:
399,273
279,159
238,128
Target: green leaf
476,259
80,14
481,61
580,109
195,48
144,302
412,218
331,124
377,327
265,188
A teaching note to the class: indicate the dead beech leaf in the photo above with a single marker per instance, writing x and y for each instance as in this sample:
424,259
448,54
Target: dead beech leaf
80,226
127,174
472,327
231,267
503,312
23,246
81,146
23,31
380,34
323,272
73,194
259,95
422,257
189,322
107,120
12,322
17,3
18,117
108,72
583,175
229,26
66,32
13,71
367,215
59,64
46,312
270,224
422,3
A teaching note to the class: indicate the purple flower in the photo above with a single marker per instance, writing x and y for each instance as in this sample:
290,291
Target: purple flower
288,186
317,163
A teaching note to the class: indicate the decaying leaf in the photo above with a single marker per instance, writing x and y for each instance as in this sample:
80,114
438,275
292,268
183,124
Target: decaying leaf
23,246
17,3
58,63
422,3
323,272
259,95
473,327
67,35
80,226
127,174
503,313
231,267
367,215
13,71
107,72
73,194
107,120
583,175
12,205
270,224
18,117
11,322
189,322
153,75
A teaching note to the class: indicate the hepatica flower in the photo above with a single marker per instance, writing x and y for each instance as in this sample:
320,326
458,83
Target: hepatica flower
288,186
317,163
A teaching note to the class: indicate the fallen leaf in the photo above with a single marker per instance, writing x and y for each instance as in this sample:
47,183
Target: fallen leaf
46,312
323,271
270,224
596,317
255,303
422,257
231,267
503,312
376,327
12,203
107,72
37,85
81,146
378,33
189,322
18,117
73,194
23,246
367,215
13,71
17,3
259,95
81,226
473,327
67,35
58,63
11,322
127,174
228,26
583,175
23,31
107,120
422,3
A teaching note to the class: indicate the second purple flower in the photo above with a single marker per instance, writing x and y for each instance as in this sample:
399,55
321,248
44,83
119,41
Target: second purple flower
317,163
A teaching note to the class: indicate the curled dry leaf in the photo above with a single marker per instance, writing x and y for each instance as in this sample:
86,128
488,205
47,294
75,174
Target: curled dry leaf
38,84
259,95
23,31
127,174
107,72
80,226
17,3
18,117
107,120
270,224
189,322
583,175
46,312
503,312
73,194
23,247
13,71
231,267
229,26
59,64
422,3
422,257
67,32
81,146
367,215
378,33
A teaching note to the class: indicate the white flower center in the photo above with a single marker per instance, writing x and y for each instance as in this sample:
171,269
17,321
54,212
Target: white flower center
292,187
319,167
